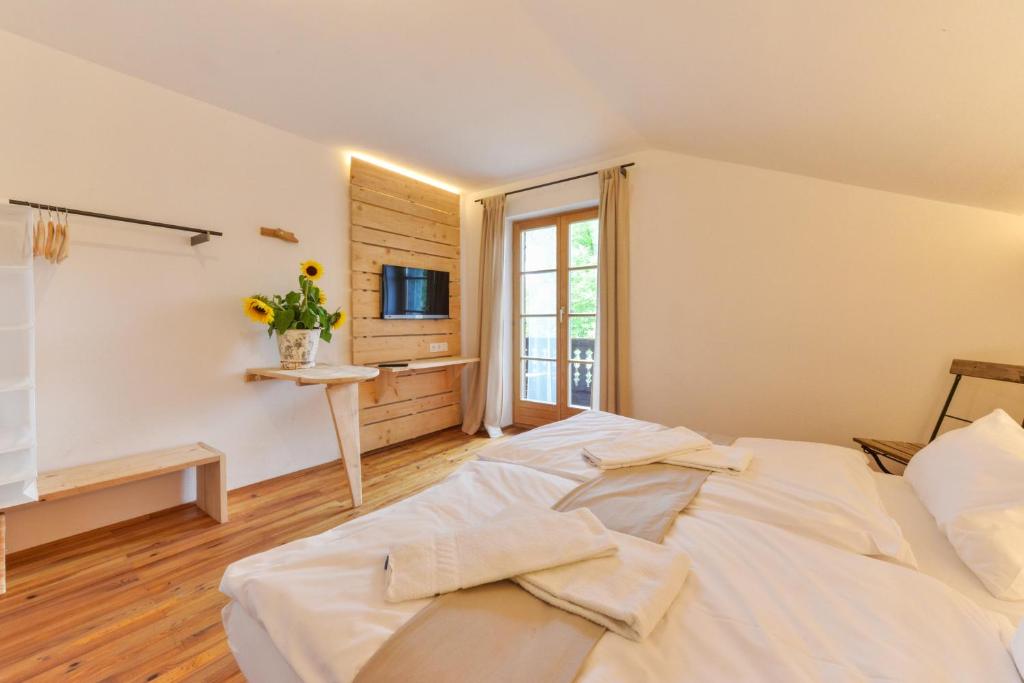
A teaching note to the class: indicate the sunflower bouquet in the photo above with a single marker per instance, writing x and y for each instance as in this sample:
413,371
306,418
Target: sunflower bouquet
304,309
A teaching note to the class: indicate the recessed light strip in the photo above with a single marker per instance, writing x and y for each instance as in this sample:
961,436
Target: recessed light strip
404,171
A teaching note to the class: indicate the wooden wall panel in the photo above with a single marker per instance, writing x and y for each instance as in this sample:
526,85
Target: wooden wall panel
400,221
417,405
404,387
372,327
396,430
388,239
379,179
368,350
369,258
370,216
367,196
366,304
371,282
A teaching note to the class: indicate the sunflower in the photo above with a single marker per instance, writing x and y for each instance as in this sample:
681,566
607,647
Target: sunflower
340,320
259,311
322,298
312,269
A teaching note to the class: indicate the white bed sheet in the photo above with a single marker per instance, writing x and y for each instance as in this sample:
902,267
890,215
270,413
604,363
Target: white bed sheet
935,556
761,603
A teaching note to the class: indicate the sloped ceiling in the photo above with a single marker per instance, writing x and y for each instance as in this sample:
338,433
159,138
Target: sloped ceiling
919,97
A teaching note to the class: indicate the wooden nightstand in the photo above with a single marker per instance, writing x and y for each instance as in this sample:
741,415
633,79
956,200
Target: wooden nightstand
897,451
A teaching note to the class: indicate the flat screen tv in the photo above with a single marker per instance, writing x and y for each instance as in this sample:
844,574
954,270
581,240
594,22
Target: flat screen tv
413,293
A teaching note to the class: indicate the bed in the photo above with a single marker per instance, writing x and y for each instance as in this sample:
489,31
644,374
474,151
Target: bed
772,596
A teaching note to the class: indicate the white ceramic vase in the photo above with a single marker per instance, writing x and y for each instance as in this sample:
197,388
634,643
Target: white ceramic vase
298,348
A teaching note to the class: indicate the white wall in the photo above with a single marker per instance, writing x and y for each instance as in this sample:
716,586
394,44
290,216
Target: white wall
141,340
765,303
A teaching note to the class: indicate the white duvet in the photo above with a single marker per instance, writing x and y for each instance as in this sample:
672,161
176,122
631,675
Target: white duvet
761,603
817,490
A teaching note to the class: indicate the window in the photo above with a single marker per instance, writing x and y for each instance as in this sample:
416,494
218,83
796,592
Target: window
555,316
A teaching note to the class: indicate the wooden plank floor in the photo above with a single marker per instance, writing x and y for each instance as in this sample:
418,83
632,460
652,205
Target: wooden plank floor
138,601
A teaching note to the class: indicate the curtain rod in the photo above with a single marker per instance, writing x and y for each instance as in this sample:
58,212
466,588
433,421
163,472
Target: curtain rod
622,168
202,235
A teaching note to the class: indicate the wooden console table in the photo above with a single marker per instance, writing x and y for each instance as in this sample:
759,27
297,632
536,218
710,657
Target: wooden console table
341,384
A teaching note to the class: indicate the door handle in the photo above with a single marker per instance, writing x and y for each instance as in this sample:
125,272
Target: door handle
561,314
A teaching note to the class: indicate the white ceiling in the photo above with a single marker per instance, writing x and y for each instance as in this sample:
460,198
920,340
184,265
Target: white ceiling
922,97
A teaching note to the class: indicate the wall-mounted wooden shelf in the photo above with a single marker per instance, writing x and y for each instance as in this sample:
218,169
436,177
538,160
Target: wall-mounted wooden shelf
431,363
321,374
341,385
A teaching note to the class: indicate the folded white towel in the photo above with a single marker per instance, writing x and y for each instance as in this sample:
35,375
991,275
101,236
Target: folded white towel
728,459
522,539
628,593
644,449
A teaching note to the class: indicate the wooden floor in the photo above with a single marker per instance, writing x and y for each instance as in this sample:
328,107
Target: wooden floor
138,601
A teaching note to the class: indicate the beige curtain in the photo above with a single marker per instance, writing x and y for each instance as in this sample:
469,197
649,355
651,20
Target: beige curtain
613,293
485,390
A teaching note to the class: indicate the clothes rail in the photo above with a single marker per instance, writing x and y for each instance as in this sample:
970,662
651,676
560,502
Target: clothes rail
622,169
202,235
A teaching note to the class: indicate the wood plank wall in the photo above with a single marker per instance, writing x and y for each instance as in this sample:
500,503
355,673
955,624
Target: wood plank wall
397,220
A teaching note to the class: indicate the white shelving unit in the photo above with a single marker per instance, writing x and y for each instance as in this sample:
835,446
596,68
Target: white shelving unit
17,359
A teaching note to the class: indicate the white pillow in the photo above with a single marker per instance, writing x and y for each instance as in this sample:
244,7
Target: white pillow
978,466
991,542
817,490
972,481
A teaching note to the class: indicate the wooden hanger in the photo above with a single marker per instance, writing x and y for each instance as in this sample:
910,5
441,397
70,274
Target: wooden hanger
51,238
51,229
39,234
58,233
65,240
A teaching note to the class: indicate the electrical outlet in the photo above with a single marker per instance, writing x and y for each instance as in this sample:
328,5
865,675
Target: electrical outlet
436,348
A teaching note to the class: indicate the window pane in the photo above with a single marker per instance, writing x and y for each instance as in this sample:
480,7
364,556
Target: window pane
583,243
540,337
581,384
540,249
538,381
540,294
583,291
582,333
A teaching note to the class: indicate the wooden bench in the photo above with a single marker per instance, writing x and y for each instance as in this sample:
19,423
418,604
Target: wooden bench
211,481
